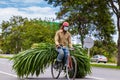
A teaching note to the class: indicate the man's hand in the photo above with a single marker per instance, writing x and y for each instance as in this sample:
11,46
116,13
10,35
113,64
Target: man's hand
58,46
72,49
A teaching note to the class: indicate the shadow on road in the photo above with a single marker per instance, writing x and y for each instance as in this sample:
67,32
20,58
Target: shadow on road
54,79
44,79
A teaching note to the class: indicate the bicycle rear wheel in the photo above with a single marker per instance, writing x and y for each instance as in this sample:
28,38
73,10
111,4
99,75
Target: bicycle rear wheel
72,70
56,71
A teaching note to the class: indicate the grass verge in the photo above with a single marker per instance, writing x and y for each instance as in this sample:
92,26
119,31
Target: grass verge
6,57
105,66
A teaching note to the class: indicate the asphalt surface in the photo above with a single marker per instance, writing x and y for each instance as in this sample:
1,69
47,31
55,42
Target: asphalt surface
6,73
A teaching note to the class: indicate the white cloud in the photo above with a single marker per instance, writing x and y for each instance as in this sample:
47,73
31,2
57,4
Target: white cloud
28,1
29,12
34,9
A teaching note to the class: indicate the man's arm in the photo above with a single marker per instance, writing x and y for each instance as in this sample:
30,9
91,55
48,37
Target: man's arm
69,41
56,39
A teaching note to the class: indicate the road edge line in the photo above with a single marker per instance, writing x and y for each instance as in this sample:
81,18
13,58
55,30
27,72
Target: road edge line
8,74
95,77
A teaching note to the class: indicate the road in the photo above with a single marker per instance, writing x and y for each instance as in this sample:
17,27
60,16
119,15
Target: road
106,74
6,73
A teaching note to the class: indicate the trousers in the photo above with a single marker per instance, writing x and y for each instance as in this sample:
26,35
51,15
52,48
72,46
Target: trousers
63,52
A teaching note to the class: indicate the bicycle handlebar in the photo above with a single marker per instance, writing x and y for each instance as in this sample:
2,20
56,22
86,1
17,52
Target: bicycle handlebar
68,48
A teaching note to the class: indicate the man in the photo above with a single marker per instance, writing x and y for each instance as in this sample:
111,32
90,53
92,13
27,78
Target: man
63,41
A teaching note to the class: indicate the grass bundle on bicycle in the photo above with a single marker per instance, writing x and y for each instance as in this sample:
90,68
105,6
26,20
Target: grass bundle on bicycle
38,58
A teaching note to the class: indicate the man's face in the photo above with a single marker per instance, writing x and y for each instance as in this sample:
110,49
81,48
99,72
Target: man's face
65,28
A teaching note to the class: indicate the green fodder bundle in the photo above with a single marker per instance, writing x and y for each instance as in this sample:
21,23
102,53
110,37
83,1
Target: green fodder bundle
37,59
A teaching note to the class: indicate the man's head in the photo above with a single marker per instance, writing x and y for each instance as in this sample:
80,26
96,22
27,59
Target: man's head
65,26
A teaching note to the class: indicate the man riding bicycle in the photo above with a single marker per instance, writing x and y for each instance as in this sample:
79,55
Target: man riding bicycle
62,41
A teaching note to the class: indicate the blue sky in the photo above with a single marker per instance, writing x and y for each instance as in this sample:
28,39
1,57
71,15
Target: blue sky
26,8
23,3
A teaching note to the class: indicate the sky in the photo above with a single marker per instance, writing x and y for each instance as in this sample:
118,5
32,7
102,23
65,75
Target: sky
29,9
26,8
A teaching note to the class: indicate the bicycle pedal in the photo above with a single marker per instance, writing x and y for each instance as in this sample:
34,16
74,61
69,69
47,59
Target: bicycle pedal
55,67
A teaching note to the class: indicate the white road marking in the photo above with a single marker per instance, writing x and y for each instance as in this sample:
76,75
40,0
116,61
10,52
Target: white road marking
8,74
16,76
95,77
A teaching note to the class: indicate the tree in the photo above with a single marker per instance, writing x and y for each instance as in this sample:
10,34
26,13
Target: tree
1,41
115,7
11,32
90,17
20,33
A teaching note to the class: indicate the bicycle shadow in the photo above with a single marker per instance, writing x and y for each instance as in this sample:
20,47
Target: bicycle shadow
55,79
43,79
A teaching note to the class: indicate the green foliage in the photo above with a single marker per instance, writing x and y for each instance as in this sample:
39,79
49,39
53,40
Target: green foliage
20,33
108,49
36,59
106,66
83,61
6,57
0,41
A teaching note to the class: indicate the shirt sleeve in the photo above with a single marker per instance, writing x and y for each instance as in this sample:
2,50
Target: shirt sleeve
57,38
69,41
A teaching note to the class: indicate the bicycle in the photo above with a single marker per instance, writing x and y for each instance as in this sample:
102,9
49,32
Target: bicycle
70,69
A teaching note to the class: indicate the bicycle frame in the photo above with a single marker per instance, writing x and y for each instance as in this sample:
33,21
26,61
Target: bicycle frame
69,61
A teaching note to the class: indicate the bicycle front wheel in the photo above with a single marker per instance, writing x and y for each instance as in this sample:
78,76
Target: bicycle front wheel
55,71
71,71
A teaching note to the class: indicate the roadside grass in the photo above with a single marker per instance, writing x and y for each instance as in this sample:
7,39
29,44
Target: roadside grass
105,66
6,57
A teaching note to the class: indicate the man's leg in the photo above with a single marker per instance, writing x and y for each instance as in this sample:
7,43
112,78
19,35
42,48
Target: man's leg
60,54
66,53
59,57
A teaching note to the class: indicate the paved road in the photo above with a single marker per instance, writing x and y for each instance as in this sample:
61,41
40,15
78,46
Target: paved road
6,73
106,74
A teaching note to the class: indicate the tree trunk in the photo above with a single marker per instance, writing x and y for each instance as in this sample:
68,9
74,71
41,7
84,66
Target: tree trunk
118,57
118,25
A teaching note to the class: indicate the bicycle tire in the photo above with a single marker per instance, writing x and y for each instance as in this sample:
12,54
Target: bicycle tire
52,70
72,74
